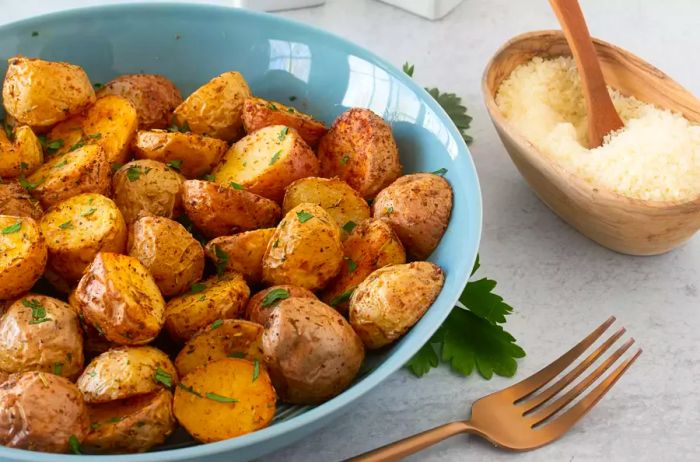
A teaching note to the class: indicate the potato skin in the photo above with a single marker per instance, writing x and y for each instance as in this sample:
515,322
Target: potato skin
53,346
418,208
113,122
16,201
41,411
219,210
259,113
22,155
392,299
147,188
244,251
360,150
256,311
23,255
311,351
154,97
304,253
173,257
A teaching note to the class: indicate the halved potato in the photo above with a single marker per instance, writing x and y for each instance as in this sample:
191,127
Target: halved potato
21,155
23,255
259,113
243,252
266,161
65,136
16,201
261,304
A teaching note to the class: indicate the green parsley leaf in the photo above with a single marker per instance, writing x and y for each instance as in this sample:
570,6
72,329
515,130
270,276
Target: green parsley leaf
236,354
283,134
349,226
389,211
275,295
275,157
74,444
344,297
480,300
440,171
256,370
38,311
184,128
30,186
291,110
452,104
35,34
115,419
12,228
209,177
216,324
292,98
189,389
408,69
221,260
54,145
133,173
271,106
9,131
97,85
115,166
89,212
163,377
344,160
197,287
176,164
202,298
352,266
67,225
476,266
60,164
425,359
276,243
235,185
57,368
304,216
95,425
222,399
23,166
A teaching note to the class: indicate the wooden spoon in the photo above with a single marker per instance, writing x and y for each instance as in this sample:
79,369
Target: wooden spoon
602,116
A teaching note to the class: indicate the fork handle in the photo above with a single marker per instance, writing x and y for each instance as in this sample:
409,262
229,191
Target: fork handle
407,446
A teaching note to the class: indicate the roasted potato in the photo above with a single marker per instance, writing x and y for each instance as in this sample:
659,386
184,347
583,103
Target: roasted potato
418,208
77,229
130,425
228,338
261,304
219,210
371,245
266,161
147,188
241,252
112,123
41,412
173,257
154,97
360,150
215,108
305,250
392,299
124,372
16,201
207,301
225,398
22,255
40,333
67,136
118,297
21,155
259,113
192,154
311,351
341,202
41,93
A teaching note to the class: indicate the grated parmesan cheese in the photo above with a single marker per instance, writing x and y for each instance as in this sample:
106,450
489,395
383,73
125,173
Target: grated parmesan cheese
656,156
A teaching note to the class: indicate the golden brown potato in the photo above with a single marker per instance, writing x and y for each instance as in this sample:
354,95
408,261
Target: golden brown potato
147,188
16,201
225,398
130,425
22,255
77,229
41,412
174,258
41,93
119,297
360,150
226,338
66,136
112,123
259,113
371,245
305,250
154,97
219,210
215,108
266,161
261,304
392,299
193,155
241,252
418,208
40,333
341,202
207,301
21,155
311,351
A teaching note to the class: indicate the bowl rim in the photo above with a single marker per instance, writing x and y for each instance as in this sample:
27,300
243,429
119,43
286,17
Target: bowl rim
403,351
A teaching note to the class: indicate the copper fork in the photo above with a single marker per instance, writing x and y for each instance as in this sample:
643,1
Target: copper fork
519,417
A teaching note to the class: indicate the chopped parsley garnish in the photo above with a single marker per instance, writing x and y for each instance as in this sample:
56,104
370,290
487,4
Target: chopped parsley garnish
184,128
236,354
57,368
344,297
115,419
389,210
275,295
283,134
276,243
197,287
95,425
8,130
344,160
35,34
97,85
189,389
222,399
271,106
163,377
116,166
66,225
221,260
83,141
133,173
235,185
408,69
440,171
23,166
74,444
38,311
216,324
209,177
256,370
304,216
349,226
28,185
291,110
202,298
352,266
60,164
89,212
12,228
54,145
292,98
275,157
176,164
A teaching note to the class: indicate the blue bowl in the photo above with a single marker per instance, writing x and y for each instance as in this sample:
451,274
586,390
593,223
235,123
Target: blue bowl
281,60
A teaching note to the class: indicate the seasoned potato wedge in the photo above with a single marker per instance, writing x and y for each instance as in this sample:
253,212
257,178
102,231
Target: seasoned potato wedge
418,207
305,250
311,351
77,229
229,338
261,304
259,113
118,297
207,301
21,155
225,398
147,188
266,161
130,425
341,202
360,150
16,201
41,93
392,299
241,252
154,97
112,123
66,136
40,333
219,210
124,372
23,255
215,108
173,257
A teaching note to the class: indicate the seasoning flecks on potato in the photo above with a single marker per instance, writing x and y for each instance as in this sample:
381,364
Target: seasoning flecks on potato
241,252
261,304
259,113
16,201
20,155
23,255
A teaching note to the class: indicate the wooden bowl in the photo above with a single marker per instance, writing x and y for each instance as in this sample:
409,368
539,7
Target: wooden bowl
626,225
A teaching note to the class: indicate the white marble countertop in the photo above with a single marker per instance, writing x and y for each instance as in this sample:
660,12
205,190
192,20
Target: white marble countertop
560,283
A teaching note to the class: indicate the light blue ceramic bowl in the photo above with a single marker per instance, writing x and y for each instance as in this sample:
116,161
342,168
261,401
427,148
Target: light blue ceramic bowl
190,44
